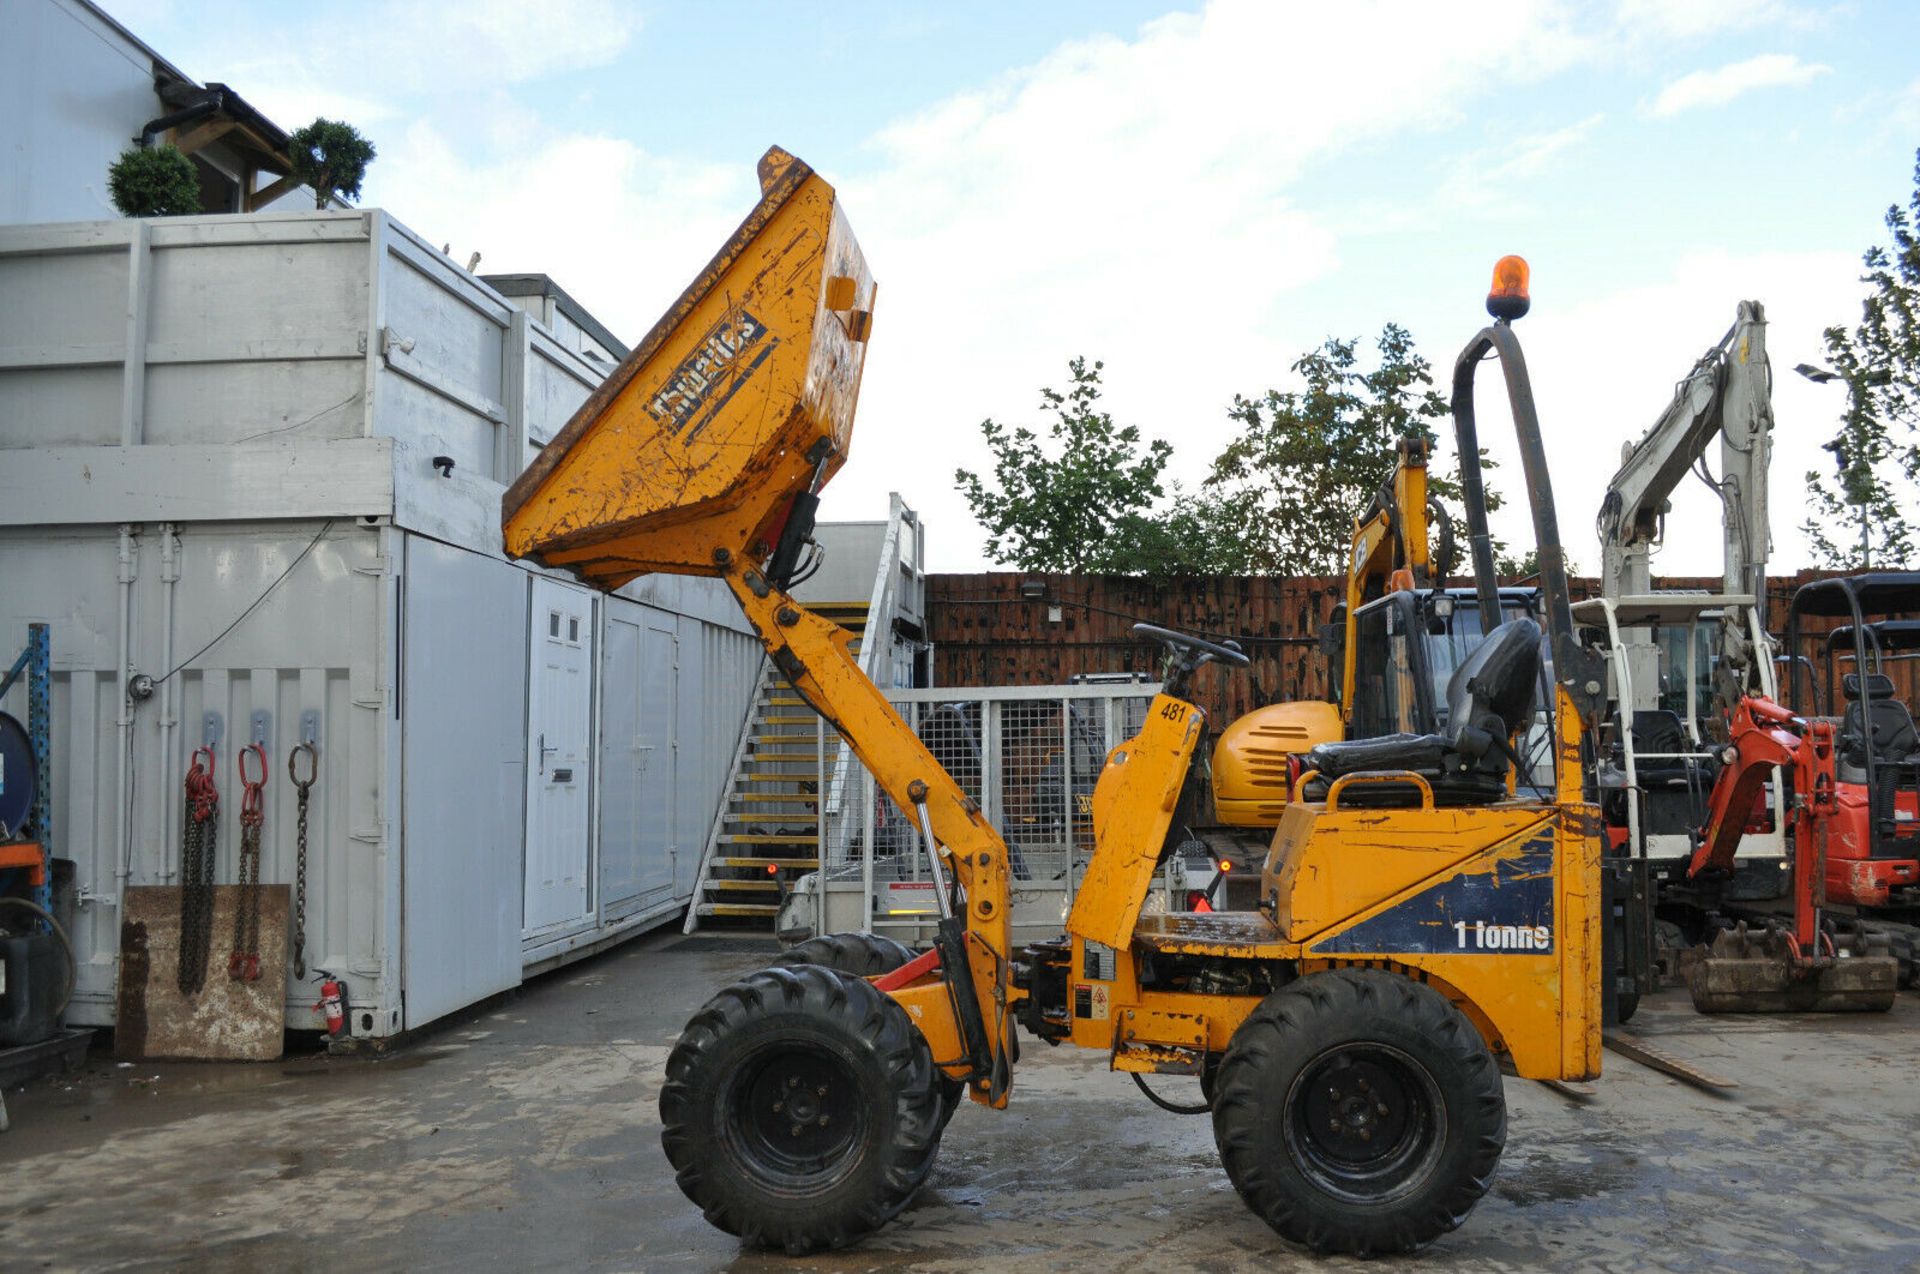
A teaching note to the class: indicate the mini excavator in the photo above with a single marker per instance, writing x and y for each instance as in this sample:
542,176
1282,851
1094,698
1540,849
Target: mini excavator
1420,917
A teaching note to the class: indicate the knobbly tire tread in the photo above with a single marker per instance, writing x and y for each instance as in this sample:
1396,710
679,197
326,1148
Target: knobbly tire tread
864,955
892,1057
868,955
1283,1036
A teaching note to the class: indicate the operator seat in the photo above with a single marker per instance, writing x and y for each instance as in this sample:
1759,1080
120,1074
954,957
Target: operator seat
1490,697
1888,733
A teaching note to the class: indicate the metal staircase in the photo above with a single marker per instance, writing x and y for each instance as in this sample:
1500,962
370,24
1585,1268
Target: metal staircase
768,828
791,775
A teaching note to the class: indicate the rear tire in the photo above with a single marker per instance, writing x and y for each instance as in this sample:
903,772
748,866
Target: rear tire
1358,1112
799,1110
864,955
868,955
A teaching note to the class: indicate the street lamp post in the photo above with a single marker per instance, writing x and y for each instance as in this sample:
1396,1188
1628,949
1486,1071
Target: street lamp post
1855,479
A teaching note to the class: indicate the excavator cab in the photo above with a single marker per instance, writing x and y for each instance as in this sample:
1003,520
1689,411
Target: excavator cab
1345,1030
1873,854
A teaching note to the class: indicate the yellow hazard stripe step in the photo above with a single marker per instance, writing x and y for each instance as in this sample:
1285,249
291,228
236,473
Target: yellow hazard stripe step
758,838
749,864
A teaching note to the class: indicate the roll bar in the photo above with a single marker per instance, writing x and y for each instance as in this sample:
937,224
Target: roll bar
1576,668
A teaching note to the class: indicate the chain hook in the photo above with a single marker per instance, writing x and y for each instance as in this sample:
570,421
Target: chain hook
251,802
202,789
313,765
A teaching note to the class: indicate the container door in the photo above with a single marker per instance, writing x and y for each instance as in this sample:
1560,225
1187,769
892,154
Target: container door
636,760
559,721
464,754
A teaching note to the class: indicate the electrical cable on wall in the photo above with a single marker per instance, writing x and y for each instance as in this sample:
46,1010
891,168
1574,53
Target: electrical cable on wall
312,544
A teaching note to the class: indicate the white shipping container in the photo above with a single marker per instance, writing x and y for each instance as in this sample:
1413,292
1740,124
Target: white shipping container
233,423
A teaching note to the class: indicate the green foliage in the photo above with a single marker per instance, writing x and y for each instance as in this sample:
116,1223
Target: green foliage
156,181
332,158
1877,446
1308,461
1067,504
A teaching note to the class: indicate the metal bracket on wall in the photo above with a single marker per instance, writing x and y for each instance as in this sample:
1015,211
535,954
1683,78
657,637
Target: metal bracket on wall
310,726
210,730
260,728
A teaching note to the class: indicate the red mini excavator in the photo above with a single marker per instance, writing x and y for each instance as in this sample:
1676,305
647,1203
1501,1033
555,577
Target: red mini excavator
1810,964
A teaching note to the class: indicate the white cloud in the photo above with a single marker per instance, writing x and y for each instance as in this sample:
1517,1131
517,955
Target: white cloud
1487,178
1720,86
1688,19
370,63
621,229
1146,201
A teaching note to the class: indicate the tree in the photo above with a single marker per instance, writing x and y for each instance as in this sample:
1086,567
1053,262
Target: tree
1878,441
332,158
1070,503
1308,461
153,181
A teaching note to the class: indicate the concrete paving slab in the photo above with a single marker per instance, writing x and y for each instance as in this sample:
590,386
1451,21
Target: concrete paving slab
525,1135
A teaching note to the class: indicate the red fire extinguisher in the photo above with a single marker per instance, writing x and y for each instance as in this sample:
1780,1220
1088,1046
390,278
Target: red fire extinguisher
333,1003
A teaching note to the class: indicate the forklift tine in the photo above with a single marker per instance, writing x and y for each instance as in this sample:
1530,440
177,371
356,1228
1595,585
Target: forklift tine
1637,1049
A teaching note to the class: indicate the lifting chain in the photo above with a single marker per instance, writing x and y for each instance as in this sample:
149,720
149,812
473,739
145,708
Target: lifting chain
303,786
243,962
199,835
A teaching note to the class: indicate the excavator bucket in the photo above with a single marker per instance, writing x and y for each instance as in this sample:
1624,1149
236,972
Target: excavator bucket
738,404
1761,971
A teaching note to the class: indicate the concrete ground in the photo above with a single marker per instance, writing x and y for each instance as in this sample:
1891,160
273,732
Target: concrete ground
525,1135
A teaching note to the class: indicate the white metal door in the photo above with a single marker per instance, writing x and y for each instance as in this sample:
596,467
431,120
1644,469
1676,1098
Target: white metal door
463,756
636,759
659,783
559,727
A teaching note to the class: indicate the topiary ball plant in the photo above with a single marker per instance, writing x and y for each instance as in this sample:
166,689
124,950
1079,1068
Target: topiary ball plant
156,181
331,157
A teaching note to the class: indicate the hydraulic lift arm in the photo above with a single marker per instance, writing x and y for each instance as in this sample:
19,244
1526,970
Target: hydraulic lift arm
703,454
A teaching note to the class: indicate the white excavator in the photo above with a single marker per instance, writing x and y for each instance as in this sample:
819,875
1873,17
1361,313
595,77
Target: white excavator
1681,661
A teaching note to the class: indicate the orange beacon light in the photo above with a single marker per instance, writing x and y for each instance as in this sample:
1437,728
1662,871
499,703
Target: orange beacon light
1508,299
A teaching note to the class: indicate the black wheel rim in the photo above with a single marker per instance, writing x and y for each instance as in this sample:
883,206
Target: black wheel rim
795,1118
1365,1122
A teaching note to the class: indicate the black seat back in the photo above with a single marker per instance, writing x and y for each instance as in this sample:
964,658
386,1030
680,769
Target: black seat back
1659,730
1888,732
1491,693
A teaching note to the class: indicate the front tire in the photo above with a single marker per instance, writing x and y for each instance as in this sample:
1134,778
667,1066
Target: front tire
868,955
799,1110
1358,1112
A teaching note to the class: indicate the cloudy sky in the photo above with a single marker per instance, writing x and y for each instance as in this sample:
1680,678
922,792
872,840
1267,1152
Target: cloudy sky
1194,193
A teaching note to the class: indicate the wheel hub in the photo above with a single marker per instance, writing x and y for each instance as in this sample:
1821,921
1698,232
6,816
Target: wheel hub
796,1115
1364,1121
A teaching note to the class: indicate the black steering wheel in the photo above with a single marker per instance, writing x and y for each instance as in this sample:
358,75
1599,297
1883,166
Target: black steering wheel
1189,653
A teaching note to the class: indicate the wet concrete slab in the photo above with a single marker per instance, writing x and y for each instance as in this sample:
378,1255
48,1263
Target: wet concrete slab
525,1135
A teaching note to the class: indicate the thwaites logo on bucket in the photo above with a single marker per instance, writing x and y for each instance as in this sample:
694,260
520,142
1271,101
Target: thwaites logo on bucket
696,390
1499,906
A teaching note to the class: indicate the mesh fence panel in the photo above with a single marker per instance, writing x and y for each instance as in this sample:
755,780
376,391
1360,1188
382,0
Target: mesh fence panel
1030,758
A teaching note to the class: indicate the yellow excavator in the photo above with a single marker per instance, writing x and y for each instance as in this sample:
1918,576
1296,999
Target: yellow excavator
1390,551
1418,918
